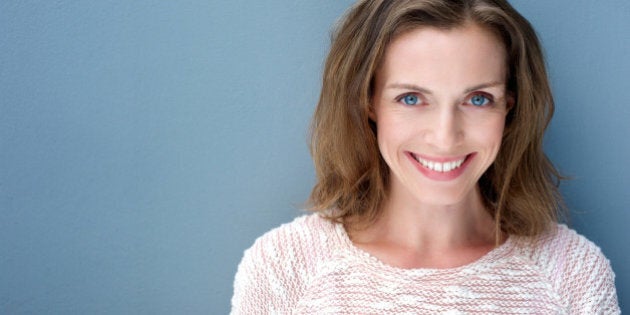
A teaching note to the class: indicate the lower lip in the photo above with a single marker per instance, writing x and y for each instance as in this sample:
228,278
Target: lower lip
441,176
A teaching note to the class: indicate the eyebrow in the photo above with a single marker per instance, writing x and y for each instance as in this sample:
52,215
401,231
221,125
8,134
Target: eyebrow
420,89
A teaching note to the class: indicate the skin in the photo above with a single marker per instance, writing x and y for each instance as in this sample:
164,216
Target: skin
440,95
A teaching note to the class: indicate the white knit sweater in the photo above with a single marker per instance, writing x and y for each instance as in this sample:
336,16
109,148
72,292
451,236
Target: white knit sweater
310,266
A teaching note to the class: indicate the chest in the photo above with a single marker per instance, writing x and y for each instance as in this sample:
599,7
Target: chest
369,289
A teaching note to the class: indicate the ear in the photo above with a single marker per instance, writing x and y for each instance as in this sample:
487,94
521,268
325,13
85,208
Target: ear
372,113
509,101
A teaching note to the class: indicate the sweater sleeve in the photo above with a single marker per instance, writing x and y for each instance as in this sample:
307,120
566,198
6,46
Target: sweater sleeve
258,284
587,282
272,273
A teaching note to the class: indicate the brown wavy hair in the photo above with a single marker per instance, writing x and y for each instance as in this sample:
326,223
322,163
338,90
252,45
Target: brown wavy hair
520,189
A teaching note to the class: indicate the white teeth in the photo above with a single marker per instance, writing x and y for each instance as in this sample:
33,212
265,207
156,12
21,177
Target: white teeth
447,167
437,167
440,167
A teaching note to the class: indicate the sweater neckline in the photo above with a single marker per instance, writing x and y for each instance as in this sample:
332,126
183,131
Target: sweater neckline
492,256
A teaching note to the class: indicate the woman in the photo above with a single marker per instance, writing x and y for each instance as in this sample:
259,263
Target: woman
433,193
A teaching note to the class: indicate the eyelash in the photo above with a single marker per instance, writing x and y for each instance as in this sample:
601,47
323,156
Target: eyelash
401,99
489,100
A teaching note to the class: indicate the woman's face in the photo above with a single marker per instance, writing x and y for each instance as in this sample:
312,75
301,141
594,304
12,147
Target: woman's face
439,105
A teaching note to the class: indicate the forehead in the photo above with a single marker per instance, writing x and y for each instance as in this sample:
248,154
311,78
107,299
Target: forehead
463,53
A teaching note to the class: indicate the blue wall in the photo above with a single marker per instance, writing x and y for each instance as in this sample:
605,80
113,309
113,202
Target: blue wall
587,50
145,144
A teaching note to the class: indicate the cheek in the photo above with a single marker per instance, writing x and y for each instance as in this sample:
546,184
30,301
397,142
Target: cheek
386,136
490,134
391,135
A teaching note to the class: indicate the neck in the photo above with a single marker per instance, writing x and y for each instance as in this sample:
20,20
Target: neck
414,234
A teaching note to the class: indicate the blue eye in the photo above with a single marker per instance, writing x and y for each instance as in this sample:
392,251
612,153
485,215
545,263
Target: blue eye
479,100
410,99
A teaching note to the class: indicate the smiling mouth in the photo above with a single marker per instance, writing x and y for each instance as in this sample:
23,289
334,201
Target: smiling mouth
442,167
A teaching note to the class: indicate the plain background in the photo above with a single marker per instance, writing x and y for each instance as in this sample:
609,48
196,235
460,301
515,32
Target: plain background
145,144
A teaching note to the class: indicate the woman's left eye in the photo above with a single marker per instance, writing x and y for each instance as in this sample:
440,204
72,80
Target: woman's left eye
410,99
479,100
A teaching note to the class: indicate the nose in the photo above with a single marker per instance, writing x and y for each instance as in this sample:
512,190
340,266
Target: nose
445,130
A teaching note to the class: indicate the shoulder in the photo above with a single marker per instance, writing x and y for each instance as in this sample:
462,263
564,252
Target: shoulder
307,236
305,226
577,269
295,244
562,241
275,269
562,247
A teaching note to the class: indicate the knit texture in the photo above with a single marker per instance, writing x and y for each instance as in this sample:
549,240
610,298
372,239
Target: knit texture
310,266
